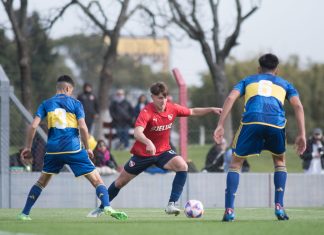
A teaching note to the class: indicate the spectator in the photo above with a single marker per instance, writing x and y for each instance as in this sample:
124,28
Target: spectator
104,160
219,158
215,158
90,105
228,159
122,114
313,157
141,102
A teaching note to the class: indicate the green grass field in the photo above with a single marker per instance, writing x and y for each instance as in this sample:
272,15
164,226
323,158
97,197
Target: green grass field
198,153
155,222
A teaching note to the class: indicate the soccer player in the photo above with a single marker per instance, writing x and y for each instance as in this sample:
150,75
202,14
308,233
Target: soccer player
262,128
152,145
65,120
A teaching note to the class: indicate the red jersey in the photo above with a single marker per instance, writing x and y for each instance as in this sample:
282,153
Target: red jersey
157,127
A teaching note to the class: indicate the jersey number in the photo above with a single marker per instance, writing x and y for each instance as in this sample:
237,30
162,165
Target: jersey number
265,88
60,118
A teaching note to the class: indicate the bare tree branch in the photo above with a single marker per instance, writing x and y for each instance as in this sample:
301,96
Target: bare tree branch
94,19
230,41
215,29
59,15
97,4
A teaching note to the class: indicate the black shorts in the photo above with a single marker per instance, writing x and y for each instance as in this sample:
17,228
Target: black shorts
137,164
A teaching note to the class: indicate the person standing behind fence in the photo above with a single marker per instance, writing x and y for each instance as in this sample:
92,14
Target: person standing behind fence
313,157
66,124
262,128
122,114
90,104
141,102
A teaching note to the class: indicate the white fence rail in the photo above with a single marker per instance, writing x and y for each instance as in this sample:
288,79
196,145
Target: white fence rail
152,191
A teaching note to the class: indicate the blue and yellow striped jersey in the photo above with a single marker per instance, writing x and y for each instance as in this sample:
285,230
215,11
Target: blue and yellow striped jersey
264,96
62,114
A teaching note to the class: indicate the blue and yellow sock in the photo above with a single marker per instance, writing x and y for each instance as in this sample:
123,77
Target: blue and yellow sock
177,185
34,193
279,178
232,182
102,194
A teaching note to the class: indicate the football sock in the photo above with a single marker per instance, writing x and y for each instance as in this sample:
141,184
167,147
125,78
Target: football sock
102,194
34,193
232,181
279,178
177,185
113,191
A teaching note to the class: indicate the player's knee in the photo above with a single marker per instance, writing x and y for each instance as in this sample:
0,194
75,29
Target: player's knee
120,183
181,166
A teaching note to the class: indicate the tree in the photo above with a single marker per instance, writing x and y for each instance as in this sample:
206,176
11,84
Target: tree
110,28
188,17
87,51
18,19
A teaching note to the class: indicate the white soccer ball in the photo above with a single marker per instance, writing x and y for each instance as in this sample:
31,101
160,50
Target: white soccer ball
194,209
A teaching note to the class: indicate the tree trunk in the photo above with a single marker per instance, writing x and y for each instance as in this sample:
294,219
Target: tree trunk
220,81
105,84
25,73
221,88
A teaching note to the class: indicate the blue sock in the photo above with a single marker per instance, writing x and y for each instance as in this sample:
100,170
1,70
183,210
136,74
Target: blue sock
34,193
112,193
177,185
102,194
279,178
232,181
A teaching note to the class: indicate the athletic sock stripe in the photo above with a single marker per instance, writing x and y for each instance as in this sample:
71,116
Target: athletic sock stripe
234,170
101,185
39,185
280,168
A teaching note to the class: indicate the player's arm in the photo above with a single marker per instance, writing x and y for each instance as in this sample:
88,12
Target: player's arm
140,136
227,107
85,136
30,136
300,141
204,111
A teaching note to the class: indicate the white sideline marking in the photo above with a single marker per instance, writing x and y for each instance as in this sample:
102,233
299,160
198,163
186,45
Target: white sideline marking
10,233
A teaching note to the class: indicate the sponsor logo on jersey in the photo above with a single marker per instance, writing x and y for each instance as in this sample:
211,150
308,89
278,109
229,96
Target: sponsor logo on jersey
170,116
154,119
161,128
131,163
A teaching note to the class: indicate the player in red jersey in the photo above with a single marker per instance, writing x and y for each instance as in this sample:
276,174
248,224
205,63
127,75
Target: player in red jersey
152,145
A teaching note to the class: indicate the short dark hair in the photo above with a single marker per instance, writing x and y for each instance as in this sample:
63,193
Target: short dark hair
268,62
65,78
159,88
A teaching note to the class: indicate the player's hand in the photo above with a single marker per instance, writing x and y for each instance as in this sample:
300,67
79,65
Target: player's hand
300,144
90,153
219,134
150,148
24,153
218,110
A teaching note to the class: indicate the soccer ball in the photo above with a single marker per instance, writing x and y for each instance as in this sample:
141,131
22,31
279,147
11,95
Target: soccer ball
194,209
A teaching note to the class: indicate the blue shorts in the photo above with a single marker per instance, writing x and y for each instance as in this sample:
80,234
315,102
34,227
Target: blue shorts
251,139
79,163
138,164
